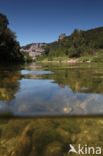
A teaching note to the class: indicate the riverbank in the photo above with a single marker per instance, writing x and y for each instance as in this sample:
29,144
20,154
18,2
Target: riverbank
96,57
86,59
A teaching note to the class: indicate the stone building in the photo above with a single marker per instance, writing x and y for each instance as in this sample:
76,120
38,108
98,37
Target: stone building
34,50
62,36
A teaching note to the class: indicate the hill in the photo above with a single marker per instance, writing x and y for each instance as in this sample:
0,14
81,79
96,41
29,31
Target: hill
95,35
78,44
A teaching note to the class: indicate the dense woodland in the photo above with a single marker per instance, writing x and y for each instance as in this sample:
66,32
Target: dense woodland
79,43
9,47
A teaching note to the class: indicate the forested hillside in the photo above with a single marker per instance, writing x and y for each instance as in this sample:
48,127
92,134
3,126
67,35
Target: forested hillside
79,43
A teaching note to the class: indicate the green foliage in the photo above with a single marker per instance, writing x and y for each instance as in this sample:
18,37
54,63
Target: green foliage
9,47
79,43
28,58
40,58
27,46
3,22
98,59
95,35
86,58
47,50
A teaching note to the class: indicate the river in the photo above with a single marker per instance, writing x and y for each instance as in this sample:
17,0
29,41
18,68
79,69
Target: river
51,89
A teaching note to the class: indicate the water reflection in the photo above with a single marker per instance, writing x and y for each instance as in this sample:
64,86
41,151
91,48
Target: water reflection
53,89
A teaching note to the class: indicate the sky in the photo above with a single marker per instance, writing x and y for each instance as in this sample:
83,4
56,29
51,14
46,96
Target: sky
43,20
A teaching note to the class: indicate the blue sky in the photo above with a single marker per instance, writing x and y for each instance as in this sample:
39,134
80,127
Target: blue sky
44,20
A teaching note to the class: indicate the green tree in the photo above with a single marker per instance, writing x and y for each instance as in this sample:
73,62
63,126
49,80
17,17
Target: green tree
3,22
9,47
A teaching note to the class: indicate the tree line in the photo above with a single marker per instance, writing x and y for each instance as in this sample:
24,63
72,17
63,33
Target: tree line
79,43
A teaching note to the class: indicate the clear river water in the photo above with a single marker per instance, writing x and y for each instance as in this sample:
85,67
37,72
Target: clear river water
51,89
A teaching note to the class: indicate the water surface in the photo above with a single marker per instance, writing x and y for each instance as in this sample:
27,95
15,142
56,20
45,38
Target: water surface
51,89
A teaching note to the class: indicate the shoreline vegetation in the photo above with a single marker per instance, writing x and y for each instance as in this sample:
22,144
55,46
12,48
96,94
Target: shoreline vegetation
82,59
69,61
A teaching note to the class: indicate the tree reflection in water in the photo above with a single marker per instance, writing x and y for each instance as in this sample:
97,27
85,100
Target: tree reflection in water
9,86
48,89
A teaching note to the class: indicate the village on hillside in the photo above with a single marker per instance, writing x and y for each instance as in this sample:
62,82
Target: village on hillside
36,49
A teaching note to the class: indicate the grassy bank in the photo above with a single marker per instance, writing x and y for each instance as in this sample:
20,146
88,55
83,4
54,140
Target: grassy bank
98,57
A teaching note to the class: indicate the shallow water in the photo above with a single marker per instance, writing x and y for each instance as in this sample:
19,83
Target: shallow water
51,89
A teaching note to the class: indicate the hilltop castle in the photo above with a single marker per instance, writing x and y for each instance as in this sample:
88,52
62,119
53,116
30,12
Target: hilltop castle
62,36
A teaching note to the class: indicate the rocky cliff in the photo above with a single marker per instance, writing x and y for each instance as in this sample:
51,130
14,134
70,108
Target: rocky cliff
34,50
